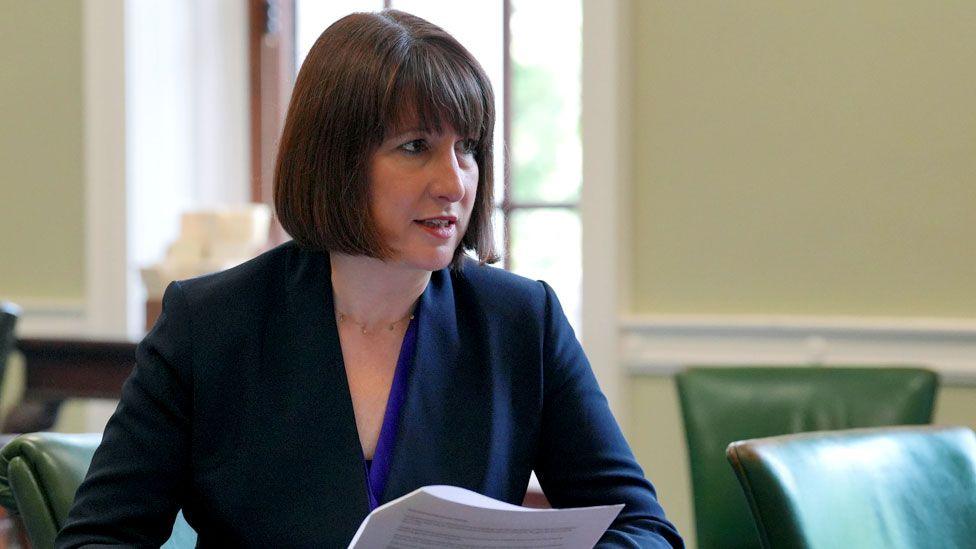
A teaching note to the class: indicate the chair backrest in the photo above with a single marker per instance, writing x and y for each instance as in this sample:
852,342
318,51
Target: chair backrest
724,404
39,475
908,487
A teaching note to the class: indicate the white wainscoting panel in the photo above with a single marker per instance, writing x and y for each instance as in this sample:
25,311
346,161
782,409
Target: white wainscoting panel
664,344
51,317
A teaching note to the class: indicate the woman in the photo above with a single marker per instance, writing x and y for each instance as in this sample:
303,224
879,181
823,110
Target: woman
278,402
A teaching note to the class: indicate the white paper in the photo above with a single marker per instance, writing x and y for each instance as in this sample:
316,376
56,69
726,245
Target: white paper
451,517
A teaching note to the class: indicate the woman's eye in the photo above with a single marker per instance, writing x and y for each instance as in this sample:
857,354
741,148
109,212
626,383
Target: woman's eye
415,146
468,146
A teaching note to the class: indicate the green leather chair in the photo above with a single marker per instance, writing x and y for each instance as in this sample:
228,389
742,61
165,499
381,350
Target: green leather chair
904,488
39,475
724,404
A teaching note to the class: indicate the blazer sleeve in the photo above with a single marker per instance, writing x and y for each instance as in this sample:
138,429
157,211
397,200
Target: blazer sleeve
583,458
136,480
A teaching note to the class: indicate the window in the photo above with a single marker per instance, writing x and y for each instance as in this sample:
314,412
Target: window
541,202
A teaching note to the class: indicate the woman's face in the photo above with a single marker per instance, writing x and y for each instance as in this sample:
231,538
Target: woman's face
422,190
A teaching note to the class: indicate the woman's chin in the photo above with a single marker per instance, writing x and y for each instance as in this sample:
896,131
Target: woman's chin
435,264
425,262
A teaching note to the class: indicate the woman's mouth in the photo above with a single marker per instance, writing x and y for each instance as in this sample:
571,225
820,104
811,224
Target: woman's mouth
439,227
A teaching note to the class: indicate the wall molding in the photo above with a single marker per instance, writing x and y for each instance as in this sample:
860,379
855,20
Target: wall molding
605,223
40,317
663,344
105,169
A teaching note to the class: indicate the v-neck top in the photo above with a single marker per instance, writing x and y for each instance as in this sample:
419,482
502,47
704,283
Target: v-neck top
377,470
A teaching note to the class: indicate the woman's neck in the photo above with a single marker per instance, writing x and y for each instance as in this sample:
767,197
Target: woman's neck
373,292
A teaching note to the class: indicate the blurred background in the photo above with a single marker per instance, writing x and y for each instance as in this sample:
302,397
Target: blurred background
707,182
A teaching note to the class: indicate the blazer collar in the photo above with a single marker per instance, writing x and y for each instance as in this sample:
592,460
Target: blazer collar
306,387
447,406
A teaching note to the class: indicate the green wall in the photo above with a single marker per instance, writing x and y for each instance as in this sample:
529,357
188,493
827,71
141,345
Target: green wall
804,157
657,438
41,150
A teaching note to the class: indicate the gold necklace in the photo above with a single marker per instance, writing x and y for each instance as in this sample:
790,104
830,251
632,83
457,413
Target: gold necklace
362,325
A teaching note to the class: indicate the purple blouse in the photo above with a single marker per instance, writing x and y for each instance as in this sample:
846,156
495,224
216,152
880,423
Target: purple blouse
378,469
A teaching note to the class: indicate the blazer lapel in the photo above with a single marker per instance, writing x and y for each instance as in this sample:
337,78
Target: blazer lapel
304,405
445,418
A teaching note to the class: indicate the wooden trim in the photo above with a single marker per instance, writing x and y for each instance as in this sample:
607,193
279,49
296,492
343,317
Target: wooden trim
59,369
64,368
256,16
507,131
271,50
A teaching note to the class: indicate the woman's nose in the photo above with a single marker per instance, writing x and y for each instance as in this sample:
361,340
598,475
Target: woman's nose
448,177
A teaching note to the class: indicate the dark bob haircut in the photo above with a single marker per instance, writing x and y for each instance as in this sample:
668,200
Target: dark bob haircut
366,75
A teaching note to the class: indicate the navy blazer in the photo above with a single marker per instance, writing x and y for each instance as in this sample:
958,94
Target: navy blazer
239,412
